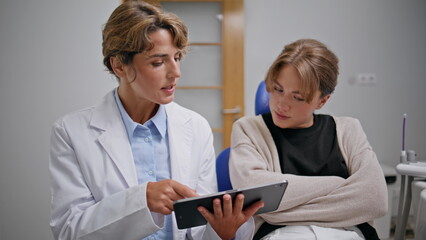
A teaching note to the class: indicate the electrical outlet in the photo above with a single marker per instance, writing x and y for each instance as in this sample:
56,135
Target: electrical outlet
366,79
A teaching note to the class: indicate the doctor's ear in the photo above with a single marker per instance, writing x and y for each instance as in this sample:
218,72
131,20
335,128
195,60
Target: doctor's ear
117,66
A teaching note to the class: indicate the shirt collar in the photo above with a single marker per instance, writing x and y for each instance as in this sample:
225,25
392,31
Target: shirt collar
159,120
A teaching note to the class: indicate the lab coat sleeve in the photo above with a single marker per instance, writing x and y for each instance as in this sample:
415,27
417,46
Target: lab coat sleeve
75,214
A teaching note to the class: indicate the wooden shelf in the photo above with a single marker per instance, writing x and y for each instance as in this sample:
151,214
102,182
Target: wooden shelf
217,130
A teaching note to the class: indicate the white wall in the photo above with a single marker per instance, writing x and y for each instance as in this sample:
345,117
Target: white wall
384,37
51,64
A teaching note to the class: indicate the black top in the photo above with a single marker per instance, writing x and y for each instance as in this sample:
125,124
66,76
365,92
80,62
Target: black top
312,151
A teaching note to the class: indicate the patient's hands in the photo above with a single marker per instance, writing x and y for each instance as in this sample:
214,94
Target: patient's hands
227,219
161,195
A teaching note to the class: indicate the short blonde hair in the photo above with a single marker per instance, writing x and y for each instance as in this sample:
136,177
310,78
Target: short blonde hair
127,30
316,64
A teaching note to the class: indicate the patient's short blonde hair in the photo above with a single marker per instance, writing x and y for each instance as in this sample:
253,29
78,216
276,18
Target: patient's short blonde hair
317,66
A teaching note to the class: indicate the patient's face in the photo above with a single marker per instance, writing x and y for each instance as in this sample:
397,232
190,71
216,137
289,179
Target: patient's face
288,107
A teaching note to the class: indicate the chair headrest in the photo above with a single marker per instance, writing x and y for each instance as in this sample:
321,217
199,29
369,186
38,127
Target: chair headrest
261,104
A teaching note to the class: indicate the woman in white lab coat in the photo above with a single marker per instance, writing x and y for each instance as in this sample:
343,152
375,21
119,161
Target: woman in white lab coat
117,167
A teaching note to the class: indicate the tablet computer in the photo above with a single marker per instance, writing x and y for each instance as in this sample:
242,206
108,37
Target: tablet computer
188,216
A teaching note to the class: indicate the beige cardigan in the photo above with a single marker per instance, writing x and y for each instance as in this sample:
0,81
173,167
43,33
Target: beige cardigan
327,201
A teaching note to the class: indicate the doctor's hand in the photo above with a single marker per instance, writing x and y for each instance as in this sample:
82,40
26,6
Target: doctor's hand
161,195
226,218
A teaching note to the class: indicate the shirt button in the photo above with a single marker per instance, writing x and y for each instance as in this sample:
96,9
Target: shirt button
147,139
150,173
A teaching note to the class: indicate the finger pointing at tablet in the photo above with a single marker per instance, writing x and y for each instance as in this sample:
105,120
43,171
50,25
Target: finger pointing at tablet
183,190
161,195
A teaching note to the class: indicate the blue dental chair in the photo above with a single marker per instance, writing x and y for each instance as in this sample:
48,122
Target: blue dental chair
261,106
261,102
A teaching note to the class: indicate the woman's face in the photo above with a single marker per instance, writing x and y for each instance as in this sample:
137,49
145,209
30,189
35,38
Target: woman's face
153,75
288,107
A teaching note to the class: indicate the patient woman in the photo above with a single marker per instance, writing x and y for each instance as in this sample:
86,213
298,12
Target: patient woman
336,186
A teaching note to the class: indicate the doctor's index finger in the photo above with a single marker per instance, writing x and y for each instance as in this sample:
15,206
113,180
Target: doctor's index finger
183,190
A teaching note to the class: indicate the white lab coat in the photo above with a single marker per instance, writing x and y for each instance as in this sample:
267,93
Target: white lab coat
94,187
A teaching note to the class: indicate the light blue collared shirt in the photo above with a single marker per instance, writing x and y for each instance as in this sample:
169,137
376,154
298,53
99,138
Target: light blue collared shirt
150,148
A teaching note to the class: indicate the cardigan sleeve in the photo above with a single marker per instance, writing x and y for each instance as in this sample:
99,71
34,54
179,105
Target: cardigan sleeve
327,201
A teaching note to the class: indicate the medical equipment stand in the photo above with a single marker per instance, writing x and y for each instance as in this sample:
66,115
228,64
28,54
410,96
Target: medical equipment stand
408,171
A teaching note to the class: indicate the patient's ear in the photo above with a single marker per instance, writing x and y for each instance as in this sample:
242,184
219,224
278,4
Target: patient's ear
322,101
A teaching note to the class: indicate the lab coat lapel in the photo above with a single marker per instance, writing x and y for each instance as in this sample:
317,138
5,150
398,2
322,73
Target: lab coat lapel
180,136
114,139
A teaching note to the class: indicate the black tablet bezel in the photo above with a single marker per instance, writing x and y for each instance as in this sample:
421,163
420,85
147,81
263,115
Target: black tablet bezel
188,216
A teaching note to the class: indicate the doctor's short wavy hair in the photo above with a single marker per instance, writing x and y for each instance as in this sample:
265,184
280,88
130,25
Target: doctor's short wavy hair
316,64
127,31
